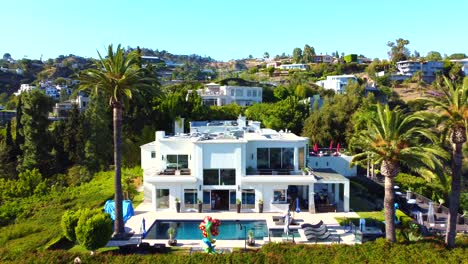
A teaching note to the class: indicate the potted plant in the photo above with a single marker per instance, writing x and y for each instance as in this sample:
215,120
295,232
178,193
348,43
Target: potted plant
177,203
260,205
238,204
251,239
439,208
171,233
200,205
305,171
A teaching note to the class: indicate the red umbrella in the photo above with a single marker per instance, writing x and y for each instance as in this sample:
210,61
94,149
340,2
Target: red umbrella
315,147
331,145
338,147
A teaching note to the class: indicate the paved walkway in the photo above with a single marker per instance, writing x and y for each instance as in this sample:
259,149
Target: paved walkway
144,211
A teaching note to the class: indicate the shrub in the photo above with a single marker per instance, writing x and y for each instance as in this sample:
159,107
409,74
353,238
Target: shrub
94,229
68,223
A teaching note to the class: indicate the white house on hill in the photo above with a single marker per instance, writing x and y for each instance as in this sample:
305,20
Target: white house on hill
337,82
221,161
215,94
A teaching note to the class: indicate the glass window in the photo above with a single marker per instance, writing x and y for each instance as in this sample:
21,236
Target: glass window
254,93
239,92
263,161
232,197
249,93
248,196
228,176
182,161
233,91
219,177
153,154
259,93
177,162
288,158
162,198
211,177
190,196
279,195
275,158
206,197
171,161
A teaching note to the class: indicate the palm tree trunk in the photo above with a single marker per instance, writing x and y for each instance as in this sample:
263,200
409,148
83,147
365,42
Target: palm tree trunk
457,157
119,229
389,169
389,205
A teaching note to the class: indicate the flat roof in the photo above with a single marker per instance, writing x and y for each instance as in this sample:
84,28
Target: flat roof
328,176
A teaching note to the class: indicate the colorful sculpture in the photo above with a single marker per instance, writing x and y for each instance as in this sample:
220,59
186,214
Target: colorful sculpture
209,227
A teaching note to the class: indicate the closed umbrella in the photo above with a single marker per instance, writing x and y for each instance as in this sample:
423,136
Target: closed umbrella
143,229
287,218
430,213
338,148
315,147
298,209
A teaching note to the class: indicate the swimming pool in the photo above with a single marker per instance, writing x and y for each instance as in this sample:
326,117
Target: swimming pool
188,229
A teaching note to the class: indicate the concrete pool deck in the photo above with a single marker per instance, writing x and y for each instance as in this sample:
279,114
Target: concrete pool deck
144,211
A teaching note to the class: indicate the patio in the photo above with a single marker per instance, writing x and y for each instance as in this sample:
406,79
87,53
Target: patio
144,211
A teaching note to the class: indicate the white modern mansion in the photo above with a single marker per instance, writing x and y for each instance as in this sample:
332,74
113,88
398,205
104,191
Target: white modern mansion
222,161
215,94
337,82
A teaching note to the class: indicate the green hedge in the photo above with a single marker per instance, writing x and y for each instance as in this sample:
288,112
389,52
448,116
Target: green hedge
377,252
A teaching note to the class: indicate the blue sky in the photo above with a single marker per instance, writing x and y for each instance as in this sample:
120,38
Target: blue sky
227,29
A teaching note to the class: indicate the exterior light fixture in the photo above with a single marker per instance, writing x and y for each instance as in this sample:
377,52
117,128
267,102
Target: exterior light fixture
199,187
238,187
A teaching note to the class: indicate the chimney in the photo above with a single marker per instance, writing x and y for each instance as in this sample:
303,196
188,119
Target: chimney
160,135
179,125
241,122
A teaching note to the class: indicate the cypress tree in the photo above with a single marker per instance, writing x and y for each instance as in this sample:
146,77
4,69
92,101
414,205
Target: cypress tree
7,155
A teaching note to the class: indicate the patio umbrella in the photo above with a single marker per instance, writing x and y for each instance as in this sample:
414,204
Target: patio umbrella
338,148
298,209
287,218
143,228
430,213
315,147
331,145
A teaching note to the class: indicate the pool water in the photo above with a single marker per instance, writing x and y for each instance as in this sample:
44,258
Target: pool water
188,229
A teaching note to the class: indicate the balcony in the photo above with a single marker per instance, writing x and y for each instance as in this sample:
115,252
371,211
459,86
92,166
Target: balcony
272,172
175,172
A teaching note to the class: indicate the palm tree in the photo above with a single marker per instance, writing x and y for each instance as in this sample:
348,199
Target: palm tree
451,107
117,76
393,139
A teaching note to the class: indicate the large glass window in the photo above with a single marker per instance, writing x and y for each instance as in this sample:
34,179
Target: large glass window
219,177
190,196
177,162
275,158
153,154
211,177
239,92
228,176
248,196
162,198
263,160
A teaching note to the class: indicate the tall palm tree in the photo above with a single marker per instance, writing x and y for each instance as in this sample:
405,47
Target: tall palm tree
451,107
394,139
117,76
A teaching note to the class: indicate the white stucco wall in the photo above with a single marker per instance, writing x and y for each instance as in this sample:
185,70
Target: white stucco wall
339,164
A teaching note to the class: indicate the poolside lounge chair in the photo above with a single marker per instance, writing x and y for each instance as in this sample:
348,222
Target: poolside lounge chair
319,224
327,236
316,231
